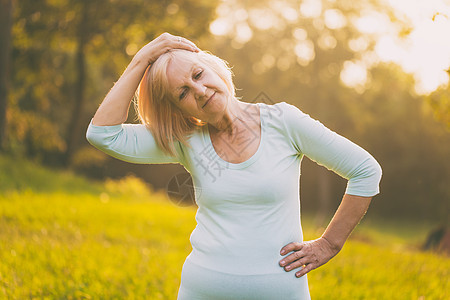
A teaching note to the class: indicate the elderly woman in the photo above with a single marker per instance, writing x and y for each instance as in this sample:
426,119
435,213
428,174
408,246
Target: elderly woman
245,164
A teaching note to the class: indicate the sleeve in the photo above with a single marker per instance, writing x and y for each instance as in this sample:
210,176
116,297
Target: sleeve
128,142
333,151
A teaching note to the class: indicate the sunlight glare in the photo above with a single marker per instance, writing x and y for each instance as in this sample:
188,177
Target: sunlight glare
425,52
241,15
305,52
290,14
300,34
334,19
358,45
372,22
354,74
311,8
326,41
220,27
243,33
262,19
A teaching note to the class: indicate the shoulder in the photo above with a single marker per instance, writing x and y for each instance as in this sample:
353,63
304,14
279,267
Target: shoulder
291,111
287,115
297,125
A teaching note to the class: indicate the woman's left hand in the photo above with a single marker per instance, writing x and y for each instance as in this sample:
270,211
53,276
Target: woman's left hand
308,255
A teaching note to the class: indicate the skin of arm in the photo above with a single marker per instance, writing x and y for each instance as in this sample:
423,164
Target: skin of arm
114,108
313,254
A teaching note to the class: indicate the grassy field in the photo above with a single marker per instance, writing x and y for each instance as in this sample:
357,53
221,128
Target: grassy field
63,237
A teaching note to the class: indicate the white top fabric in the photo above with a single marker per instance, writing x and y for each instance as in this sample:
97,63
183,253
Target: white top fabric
248,211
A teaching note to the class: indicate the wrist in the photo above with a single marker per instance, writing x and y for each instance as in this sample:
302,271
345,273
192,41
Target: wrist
140,60
335,245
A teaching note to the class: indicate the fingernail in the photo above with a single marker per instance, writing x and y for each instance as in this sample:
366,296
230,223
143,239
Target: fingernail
288,267
297,274
283,252
282,262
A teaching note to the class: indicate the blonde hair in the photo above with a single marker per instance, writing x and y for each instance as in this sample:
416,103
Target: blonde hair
160,115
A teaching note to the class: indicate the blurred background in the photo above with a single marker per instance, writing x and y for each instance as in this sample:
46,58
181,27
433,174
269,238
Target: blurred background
375,71
77,224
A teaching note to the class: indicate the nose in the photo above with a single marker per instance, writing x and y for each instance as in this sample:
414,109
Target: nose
199,91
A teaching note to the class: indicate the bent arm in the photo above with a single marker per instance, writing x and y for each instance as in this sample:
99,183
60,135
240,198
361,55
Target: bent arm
114,108
129,142
311,138
350,161
132,142
347,216
345,158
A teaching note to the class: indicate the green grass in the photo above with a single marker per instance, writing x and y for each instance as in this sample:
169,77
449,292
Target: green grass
17,174
63,237
64,246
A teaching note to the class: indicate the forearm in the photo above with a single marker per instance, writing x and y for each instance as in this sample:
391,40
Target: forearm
114,108
350,212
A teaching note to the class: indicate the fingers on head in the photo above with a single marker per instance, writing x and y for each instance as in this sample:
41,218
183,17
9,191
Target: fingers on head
166,35
183,43
190,43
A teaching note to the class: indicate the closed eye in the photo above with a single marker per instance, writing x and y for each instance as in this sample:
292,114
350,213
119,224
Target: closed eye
196,77
183,94
198,74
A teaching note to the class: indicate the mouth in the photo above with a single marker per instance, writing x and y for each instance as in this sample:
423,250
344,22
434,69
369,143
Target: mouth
210,98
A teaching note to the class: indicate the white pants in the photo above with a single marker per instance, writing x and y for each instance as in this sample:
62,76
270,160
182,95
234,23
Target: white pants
198,283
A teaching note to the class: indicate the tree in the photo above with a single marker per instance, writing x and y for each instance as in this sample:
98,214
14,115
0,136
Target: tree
66,55
5,41
439,101
299,59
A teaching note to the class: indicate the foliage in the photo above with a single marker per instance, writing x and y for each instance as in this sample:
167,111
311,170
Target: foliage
439,101
273,49
47,36
384,115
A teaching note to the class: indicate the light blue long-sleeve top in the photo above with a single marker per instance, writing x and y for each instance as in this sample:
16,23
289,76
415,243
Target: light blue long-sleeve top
248,211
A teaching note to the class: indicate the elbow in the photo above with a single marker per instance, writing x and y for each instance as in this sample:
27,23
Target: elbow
90,137
372,171
104,137
376,170
93,138
366,181
374,174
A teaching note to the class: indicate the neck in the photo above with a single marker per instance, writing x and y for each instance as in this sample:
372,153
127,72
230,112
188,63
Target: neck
235,114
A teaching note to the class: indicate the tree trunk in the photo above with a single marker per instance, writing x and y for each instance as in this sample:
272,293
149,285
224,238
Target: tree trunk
73,134
5,41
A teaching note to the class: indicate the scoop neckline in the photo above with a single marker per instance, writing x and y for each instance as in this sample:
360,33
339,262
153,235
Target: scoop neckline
250,160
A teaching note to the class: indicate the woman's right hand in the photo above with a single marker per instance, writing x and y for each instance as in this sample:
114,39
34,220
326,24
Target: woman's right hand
162,44
114,108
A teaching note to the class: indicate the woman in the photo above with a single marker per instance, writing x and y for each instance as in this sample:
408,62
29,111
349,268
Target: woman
245,164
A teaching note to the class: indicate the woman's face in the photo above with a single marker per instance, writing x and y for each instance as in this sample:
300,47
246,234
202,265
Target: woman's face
196,89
